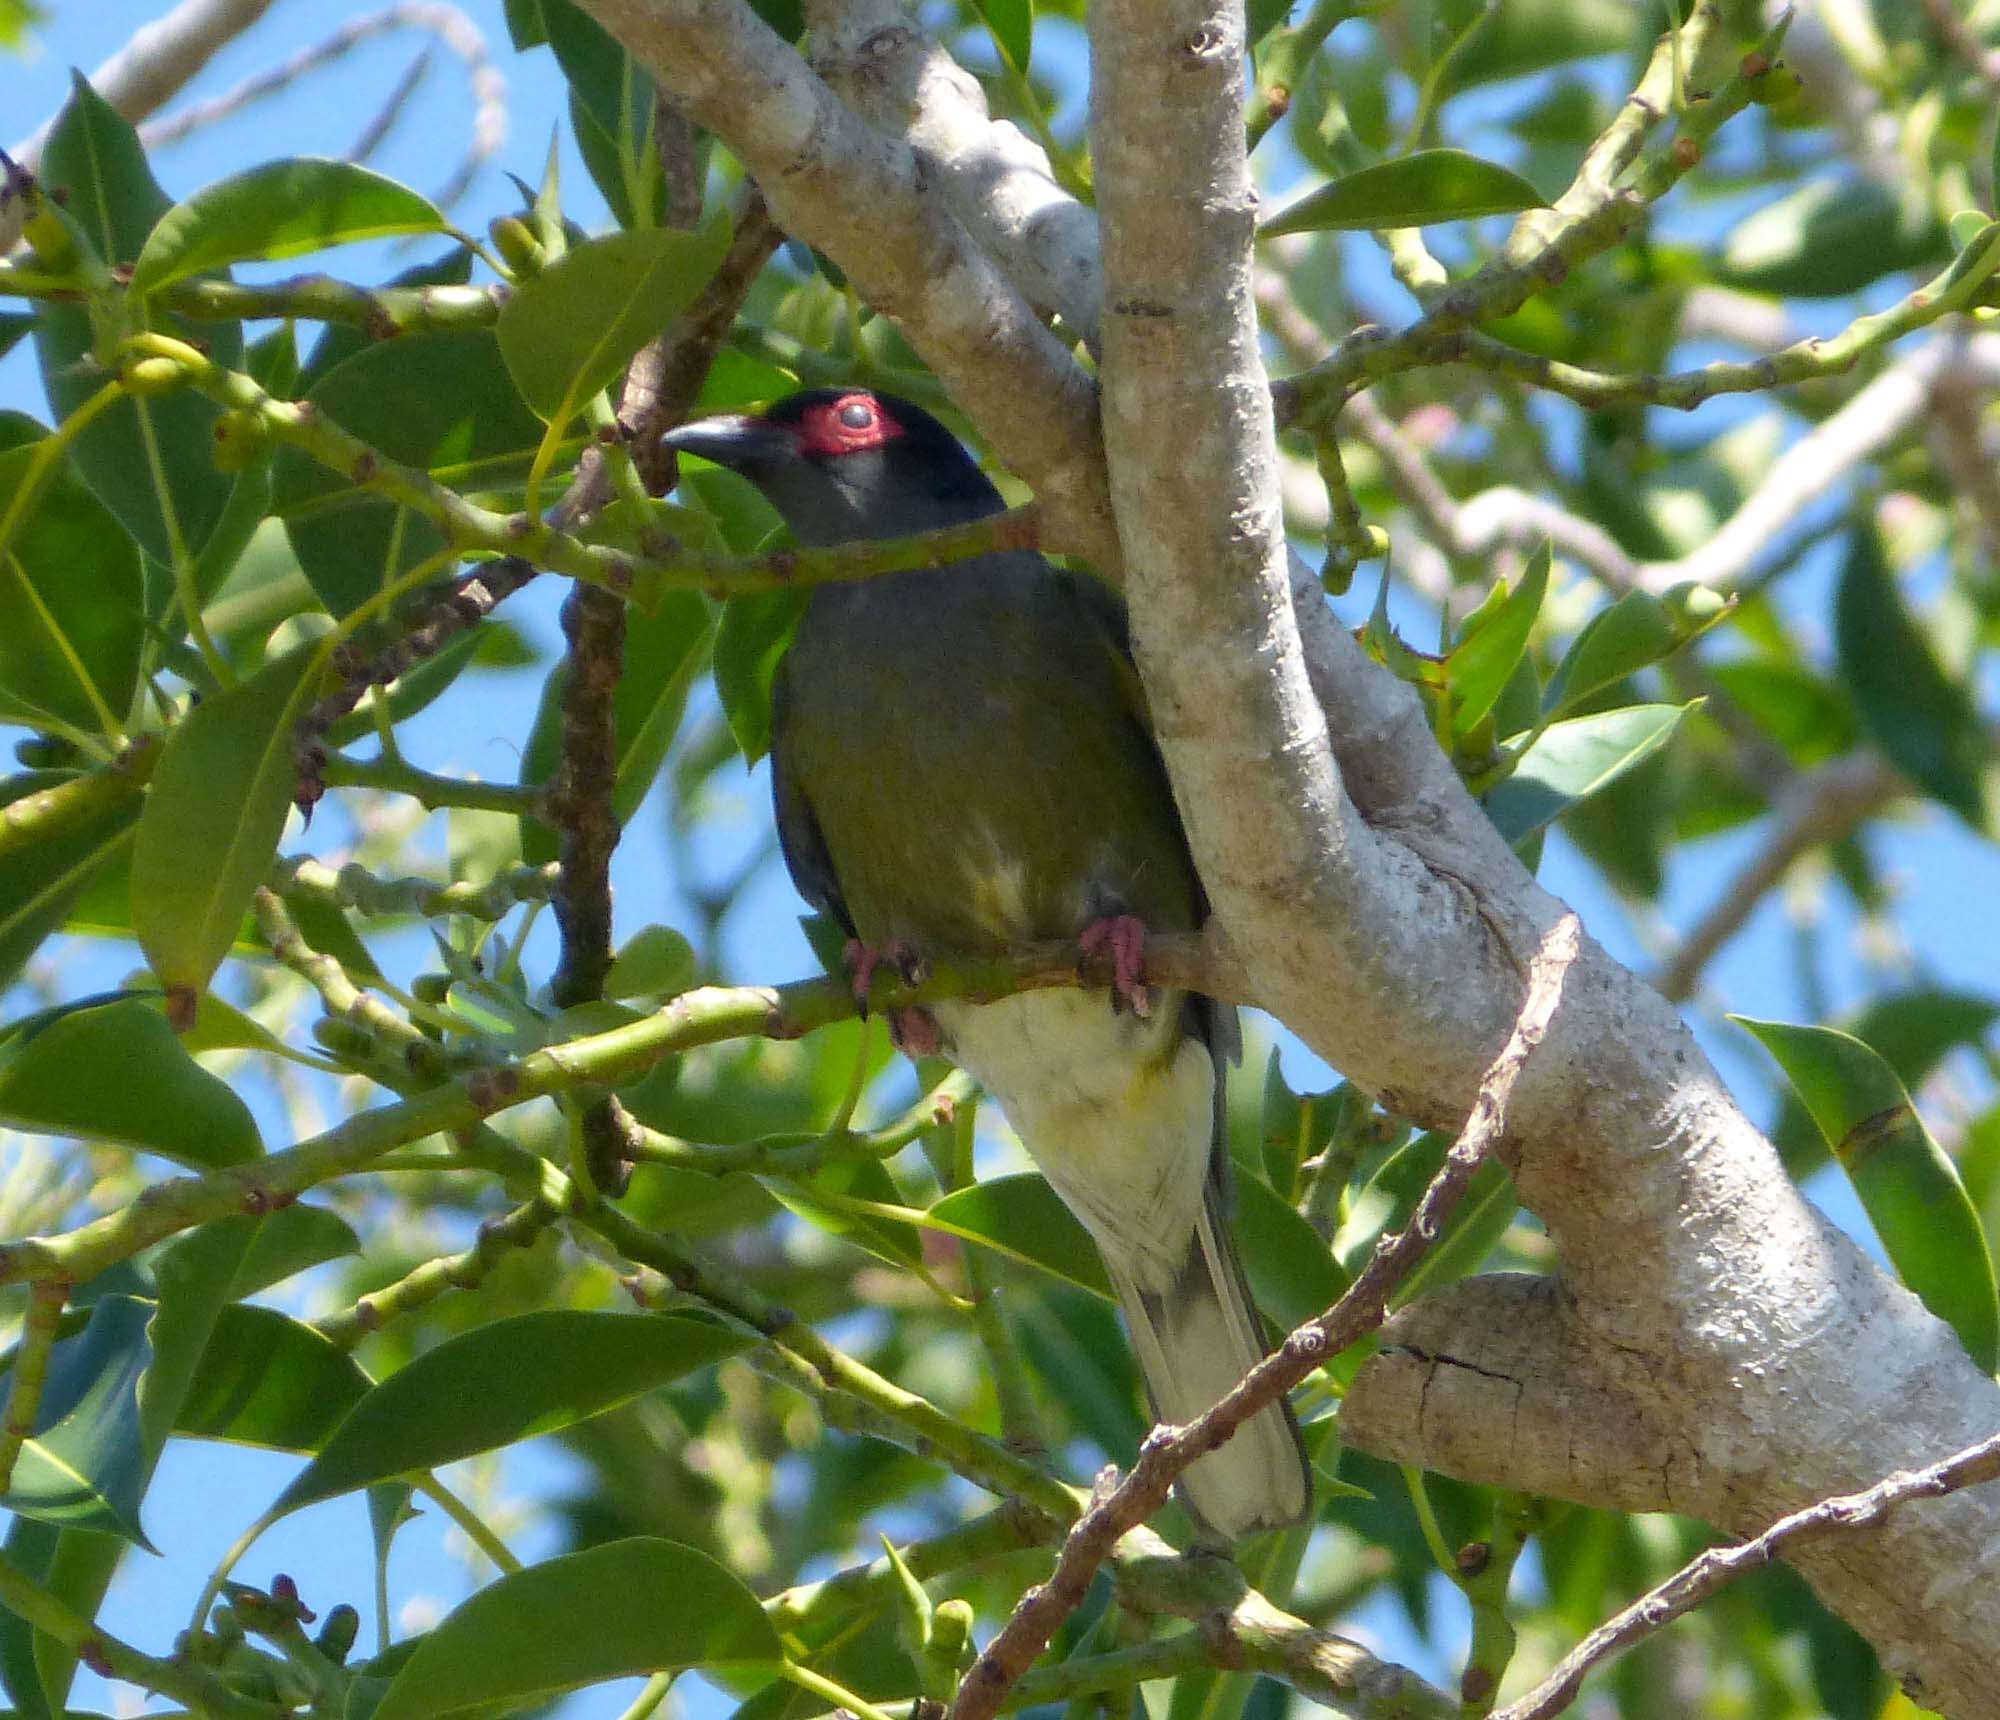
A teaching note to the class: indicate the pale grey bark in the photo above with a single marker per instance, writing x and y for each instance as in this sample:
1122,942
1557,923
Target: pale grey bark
1711,1344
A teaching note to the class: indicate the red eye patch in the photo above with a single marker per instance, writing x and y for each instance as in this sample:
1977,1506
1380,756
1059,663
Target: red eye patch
847,426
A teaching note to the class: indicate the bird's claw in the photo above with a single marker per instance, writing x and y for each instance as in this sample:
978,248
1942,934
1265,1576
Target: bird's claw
1123,938
912,1030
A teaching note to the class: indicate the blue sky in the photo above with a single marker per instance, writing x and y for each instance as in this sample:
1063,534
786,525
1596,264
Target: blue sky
1944,878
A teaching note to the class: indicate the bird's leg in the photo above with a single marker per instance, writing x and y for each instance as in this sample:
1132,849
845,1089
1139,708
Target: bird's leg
1123,936
912,1030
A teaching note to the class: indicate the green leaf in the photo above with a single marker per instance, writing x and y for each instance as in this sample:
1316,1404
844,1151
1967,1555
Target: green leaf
72,599
821,1201
281,209
146,459
1023,1217
1292,1273
1912,1031
268,1380
656,961
570,330
213,819
1473,1233
1012,23
85,1466
40,881
631,1607
1573,760
290,1241
750,641
1907,1183
441,402
1831,238
57,1082
501,1383
1484,659
1414,190
1925,722
1629,635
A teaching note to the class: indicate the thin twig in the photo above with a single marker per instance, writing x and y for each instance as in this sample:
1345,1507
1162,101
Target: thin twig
447,23
1703,1575
1118,1506
31,1371
1815,810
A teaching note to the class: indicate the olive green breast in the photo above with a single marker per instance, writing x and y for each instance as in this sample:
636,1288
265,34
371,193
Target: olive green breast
970,746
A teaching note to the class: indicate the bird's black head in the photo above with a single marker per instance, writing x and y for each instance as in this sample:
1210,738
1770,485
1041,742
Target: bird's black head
844,463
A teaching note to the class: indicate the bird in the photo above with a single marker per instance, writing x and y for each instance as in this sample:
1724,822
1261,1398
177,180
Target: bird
962,763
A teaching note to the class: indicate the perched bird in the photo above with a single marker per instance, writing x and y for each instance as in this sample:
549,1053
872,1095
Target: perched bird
962,763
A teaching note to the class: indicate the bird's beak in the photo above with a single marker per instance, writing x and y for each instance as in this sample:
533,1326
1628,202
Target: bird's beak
735,441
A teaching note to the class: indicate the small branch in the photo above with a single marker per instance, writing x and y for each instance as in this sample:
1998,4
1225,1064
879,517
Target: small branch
707,1015
30,1373
393,776
1167,1451
51,812
194,1687
447,23
1814,810
786,1155
381,311
1546,247
518,1229
813,1366
1702,1576
302,878
579,799
161,59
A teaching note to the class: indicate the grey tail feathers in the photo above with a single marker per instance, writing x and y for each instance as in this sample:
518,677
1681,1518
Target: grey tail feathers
1194,1343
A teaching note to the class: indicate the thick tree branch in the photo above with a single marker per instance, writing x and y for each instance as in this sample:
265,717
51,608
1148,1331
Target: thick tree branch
1375,906
1702,1576
870,205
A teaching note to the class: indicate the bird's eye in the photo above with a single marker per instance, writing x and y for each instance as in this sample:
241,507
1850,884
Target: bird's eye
857,414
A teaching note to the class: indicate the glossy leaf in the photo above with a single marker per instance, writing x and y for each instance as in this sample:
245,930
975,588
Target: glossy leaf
750,642
1013,25
280,209
568,331
55,1082
1023,1217
1293,1275
72,598
824,1200
1413,190
1830,238
290,1241
631,1607
85,1466
1573,760
1907,1183
1925,722
41,881
140,448
213,819
268,1380
656,961
1473,1233
561,1366
1913,1031
1629,635
1493,642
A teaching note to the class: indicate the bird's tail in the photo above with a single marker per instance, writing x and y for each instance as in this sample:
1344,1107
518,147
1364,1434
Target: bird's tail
1194,1342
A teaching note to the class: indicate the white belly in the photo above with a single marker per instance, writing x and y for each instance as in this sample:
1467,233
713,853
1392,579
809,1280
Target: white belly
1117,1112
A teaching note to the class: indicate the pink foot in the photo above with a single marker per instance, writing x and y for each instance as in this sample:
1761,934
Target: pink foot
1124,937
912,1030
